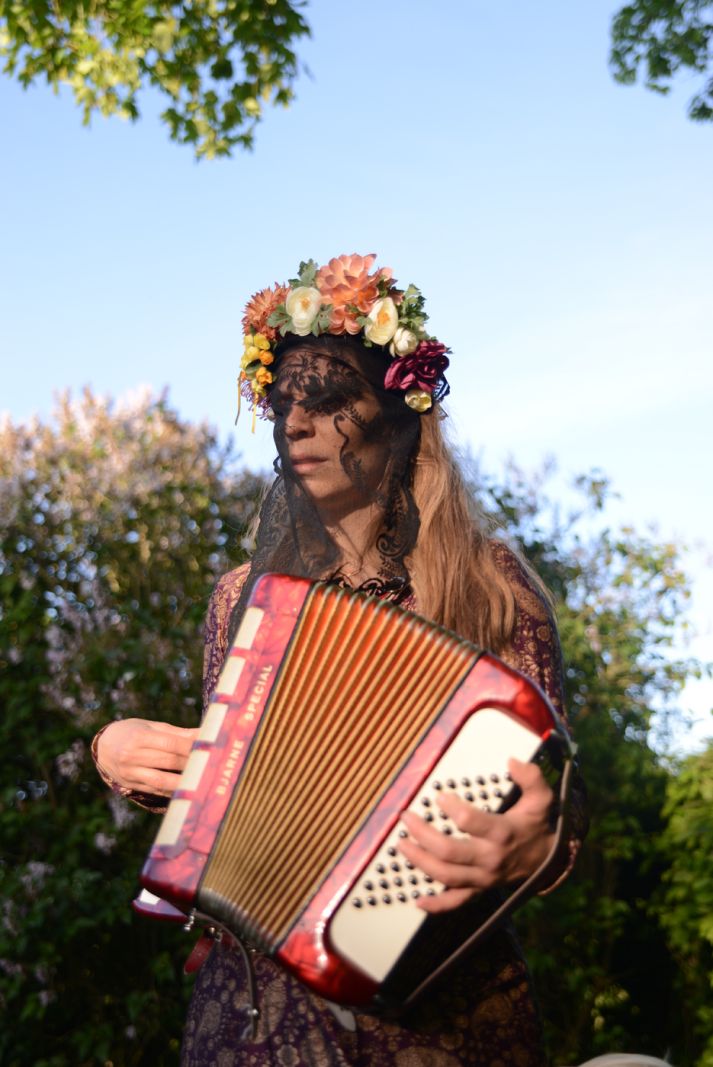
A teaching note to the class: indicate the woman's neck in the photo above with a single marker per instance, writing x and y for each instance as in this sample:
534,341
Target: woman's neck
353,534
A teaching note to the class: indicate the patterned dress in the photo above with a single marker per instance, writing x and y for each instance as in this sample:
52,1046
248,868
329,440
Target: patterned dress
483,1013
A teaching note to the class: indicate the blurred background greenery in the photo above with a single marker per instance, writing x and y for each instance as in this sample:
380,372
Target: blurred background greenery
116,522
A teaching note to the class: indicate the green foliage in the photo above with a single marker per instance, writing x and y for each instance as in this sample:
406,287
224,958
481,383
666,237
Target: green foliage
307,275
685,905
603,968
218,61
115,524
661,37
412,311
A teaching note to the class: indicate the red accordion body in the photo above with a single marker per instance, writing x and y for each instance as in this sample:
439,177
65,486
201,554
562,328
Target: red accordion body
335,712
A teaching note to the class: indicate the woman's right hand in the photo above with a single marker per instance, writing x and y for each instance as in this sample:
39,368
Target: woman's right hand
143,755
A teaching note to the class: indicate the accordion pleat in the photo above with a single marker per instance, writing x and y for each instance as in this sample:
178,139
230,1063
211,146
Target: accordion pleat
360,684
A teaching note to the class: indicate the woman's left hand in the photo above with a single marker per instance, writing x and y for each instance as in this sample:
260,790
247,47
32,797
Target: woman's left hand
498,849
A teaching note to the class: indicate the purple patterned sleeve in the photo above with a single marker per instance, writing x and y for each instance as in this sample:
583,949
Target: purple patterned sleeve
224,598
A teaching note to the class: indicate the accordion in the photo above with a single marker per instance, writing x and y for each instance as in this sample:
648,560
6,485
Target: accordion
335,712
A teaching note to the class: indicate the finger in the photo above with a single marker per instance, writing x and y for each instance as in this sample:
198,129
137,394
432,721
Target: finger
169,728
531,781
447,900
160,759
154,782
466,874
537,797
147,752
474,860
169,738
444,846
471,820
142,752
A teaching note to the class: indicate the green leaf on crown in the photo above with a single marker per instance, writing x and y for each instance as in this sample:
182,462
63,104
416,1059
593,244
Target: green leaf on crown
307,275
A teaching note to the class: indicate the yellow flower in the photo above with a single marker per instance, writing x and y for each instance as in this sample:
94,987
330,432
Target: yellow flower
418,400
263,376
260,341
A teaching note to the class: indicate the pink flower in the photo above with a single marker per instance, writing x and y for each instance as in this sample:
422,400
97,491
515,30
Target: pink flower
345,283
423,369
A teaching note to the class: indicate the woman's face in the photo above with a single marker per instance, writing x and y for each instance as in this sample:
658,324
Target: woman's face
329,429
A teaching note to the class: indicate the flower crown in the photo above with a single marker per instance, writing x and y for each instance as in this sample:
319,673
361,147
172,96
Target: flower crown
344,298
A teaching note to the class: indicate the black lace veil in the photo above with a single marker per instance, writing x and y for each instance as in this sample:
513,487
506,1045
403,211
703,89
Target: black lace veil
339,379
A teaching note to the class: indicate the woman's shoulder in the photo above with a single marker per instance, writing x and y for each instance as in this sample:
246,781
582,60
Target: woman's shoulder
529,597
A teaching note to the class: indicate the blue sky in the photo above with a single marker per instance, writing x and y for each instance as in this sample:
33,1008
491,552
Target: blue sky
558,224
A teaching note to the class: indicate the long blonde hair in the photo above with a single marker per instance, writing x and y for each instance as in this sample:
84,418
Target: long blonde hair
453,571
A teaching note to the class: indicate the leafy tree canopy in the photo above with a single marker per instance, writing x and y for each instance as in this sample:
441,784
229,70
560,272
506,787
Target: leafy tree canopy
218,61
660,37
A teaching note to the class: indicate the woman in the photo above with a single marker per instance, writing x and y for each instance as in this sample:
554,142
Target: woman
368,496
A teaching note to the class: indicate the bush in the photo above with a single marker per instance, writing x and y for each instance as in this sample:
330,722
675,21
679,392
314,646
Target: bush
115,524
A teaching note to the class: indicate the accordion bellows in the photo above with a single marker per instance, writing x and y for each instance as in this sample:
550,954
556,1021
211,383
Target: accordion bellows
333,713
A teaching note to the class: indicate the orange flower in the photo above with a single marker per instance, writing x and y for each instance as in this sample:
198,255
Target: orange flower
260,307
345,281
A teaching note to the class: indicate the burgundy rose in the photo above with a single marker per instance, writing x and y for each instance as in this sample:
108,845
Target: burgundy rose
423,369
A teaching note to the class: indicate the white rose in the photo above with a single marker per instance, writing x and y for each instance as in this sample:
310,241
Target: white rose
302,305
381,321
404,343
